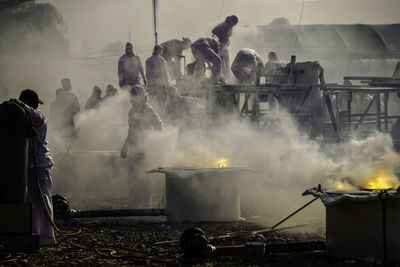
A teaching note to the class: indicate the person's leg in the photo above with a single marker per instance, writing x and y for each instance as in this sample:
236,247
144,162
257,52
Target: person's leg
40,222
46,227
211,56
198,72
32,197
133,184
176,69
225,62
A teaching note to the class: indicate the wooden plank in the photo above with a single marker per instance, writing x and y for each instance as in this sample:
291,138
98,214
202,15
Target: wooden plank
385,111
331,114
365,113
396,73
369,78
378,111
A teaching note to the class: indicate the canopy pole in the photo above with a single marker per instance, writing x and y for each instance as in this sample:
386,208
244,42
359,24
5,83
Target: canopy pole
155,21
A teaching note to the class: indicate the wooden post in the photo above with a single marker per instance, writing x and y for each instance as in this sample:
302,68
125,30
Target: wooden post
378,111
385,111
396,73
331,114
349,100
291,69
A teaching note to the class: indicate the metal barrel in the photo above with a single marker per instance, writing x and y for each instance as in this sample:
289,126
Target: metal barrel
14,131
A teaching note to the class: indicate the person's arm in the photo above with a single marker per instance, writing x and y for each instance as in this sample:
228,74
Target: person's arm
155,119
142,71
165,72
148,68
76,105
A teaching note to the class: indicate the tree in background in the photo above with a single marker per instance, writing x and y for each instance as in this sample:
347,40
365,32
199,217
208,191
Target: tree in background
32,28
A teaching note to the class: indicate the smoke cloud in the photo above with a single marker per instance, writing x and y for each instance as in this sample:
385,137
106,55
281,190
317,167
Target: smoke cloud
284,159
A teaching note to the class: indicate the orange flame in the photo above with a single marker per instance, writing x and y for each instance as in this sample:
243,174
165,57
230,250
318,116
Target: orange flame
222,163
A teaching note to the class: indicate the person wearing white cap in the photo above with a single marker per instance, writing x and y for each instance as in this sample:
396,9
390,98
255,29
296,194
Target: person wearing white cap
39,166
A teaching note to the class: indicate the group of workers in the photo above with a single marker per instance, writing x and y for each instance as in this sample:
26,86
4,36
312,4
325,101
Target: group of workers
95,99
162,102
160,98
165,63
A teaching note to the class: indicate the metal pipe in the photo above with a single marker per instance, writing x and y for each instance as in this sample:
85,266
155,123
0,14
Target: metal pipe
302,207
116,213
155,21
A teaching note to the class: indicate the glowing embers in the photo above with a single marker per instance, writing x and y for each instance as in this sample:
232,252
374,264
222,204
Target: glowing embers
382,179
345,186
377,180
222,163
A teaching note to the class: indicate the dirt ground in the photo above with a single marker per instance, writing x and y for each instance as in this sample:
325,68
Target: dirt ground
130,241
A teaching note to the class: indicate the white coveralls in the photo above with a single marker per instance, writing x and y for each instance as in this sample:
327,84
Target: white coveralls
43,162
142,118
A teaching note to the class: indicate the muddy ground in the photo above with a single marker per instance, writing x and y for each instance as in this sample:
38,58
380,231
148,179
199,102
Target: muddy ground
131,241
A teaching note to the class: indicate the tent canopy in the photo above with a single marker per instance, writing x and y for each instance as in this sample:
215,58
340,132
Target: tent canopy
357,40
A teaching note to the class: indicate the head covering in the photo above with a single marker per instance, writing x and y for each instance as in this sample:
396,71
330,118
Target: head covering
272,56
96,89
30,98
157,50
137,90
66,83
232,20
186,42
129,45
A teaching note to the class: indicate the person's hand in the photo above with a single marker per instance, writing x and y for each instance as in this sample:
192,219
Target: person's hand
124,151
145,82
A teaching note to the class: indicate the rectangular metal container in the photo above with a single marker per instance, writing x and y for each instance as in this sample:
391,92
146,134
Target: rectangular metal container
202,194
355,229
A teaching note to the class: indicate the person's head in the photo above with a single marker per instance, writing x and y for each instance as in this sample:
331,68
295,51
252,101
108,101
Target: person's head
138,94
272,56
157,50
231,20
129,49
172,91
66,84
96,91
111,90
30,98
186,43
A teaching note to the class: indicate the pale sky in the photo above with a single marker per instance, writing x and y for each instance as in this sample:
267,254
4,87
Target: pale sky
98,22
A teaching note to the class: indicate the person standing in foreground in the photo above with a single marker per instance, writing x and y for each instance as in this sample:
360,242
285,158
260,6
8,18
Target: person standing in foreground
129,67
142,119
39,168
